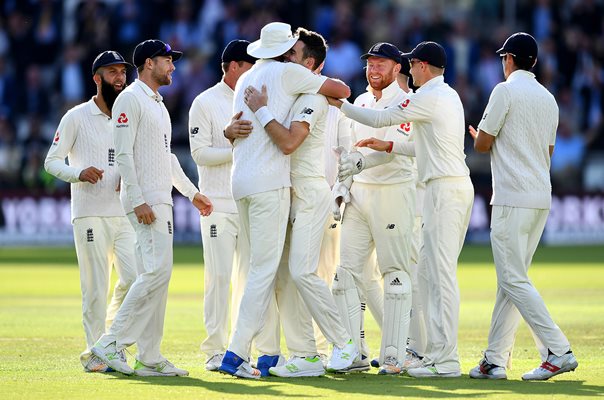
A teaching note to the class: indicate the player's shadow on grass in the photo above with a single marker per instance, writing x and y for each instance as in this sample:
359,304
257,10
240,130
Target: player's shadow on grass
372,384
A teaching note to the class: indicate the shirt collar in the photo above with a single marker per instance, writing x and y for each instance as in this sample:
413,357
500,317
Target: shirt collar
94,109
520,74
437,80
226,88
148,91
389,91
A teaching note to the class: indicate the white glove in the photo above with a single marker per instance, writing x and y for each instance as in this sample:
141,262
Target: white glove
350,164
340,194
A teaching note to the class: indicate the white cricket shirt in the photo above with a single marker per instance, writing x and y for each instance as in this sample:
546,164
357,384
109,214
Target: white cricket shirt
85,137
142,132
523,116
210,112
400,168
438,125
258,164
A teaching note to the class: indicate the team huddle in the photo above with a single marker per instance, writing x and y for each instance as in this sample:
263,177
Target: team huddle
312,209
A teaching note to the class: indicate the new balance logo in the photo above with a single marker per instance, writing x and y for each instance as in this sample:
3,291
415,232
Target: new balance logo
89,235
390,226
169,227
194,130
333,226
359,165
166,142
307,111
335,278
111,157
396,282
213,231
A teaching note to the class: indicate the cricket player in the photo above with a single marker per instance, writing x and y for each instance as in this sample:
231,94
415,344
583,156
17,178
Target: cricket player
374,218
142,133
438,124
102,234
261,180
310,208
224,242
518,129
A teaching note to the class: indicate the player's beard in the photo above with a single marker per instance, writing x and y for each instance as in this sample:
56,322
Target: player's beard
109,92
161,79
387,79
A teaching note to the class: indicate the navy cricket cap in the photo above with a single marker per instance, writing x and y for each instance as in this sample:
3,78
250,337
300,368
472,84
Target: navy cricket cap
236,50
108,57
521,45
384,50
430,52
153,48
405,67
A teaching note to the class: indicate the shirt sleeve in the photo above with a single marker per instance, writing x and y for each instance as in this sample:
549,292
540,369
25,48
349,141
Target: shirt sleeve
309,108
125,120
180,181
201,127
298,80
417,107
496,111
344,132
61,146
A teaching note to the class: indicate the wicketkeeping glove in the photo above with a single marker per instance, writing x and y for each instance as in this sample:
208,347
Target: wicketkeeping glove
340,194
350,164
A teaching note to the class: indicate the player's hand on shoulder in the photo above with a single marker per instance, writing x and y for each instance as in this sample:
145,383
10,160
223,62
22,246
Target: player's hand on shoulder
374,144
144,214
203,204
238,128
91,175
255,99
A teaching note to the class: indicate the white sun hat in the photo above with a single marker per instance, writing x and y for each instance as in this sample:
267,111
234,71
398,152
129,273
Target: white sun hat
275,39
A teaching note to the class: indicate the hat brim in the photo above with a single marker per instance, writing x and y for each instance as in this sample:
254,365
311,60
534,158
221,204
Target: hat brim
367,55
405,69
126,63
256,50
176,55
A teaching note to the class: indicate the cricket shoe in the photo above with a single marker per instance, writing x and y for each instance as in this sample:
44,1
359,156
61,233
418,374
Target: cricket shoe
234,365
430,371
412,360
299,366
554,365
214,362
360,365
265,362
390,367
114,359
486,370
95,364
342,358
164,368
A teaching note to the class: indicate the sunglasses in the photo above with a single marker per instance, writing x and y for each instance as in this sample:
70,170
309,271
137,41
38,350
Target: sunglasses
414,61
165,50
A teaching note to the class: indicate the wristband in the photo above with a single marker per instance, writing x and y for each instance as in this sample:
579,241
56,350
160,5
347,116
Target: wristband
264,116
389,149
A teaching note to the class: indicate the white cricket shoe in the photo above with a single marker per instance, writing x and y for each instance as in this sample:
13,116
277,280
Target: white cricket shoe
214,362
112,358
430,371
95,364
486,370
554,365
299,366
412,360
390,367
360,365
342,358
164,368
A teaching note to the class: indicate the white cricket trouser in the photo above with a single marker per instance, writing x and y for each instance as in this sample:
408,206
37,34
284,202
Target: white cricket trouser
378,217
447,209
264,217
515,234
140,319
100,243
417,327
310,209
226,256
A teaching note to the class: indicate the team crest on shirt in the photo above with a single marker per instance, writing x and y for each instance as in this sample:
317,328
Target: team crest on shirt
405,103
55,141
307,110
404,128
122,121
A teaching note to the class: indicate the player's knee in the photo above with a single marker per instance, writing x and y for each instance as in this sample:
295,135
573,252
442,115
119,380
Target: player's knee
343,280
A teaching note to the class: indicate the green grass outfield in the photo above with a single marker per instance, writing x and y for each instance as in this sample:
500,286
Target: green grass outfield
41,336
